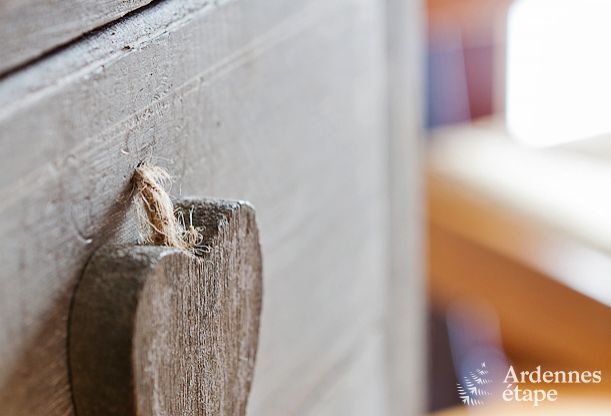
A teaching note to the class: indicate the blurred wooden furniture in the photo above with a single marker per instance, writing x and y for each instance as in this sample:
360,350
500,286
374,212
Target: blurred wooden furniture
586,406
529,232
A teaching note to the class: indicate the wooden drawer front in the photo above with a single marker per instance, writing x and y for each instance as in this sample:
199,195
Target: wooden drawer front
281,105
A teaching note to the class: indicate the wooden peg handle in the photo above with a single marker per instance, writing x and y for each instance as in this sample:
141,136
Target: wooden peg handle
159,331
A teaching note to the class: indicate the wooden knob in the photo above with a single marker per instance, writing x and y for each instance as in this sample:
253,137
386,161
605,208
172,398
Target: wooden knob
159,331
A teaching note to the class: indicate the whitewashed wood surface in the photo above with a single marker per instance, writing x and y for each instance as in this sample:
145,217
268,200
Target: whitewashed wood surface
283,104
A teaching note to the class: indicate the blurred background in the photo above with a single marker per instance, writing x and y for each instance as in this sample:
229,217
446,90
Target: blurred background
519,194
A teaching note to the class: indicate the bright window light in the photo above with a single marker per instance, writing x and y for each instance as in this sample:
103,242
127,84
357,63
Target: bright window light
558,70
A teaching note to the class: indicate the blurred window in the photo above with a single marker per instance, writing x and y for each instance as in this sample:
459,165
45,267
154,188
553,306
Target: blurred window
558,70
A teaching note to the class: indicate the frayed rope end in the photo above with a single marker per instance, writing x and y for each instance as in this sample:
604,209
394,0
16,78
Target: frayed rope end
164,227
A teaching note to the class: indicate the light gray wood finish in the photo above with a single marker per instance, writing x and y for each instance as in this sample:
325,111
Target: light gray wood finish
29,28
406,295
280,103
160,331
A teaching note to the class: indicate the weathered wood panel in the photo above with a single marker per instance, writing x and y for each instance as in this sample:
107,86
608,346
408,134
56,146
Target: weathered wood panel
29,28
282,105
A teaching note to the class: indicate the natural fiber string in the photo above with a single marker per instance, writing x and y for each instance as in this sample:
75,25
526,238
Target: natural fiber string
164,227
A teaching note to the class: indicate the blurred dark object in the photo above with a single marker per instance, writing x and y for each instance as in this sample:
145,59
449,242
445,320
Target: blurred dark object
442,377
475,340
447,93
465,37
463,337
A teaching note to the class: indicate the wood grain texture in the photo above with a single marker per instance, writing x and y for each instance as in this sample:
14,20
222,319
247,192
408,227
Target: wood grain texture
29,28
160,331
282,105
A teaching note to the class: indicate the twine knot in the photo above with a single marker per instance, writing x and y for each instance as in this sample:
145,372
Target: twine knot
165,228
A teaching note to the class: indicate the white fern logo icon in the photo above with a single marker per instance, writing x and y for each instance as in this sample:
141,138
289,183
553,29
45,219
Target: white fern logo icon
472,392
